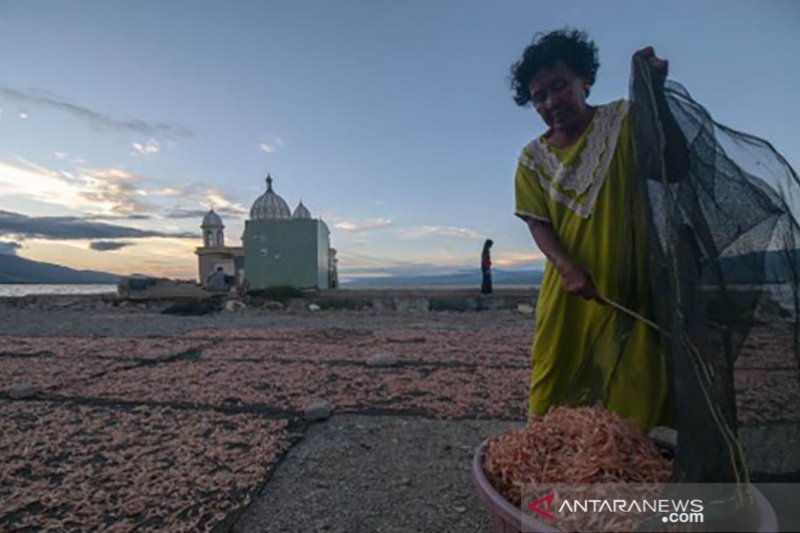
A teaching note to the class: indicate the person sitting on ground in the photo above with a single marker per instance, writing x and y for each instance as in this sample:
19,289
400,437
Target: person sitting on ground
217,281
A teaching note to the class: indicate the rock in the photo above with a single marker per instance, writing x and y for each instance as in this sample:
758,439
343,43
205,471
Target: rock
22,391
318,410
190,308
64,303
234,306
379,304
411,305
382,359
272,305
313,307
525,309
664,435
296,304
460,509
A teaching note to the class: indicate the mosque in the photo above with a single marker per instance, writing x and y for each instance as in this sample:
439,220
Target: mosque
280,248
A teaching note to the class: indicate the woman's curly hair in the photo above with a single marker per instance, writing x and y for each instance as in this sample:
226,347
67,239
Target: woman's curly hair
573,47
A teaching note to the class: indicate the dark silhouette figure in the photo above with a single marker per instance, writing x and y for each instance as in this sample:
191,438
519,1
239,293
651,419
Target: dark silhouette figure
218,281
486,267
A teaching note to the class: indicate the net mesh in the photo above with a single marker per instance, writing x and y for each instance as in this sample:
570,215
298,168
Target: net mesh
722,246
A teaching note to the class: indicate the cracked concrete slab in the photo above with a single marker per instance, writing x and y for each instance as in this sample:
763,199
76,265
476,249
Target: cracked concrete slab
376,473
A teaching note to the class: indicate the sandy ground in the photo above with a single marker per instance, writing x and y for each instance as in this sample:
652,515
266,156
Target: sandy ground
196,423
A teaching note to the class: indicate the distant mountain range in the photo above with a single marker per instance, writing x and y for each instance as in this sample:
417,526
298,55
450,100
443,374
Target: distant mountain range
769,267
462,277
772,267
15,269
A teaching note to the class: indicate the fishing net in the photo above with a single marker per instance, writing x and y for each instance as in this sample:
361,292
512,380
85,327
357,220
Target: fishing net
722,211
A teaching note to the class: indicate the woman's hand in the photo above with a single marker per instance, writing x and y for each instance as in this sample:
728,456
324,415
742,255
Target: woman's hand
577,282
660,66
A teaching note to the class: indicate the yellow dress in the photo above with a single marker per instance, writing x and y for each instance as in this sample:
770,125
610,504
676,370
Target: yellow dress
585,352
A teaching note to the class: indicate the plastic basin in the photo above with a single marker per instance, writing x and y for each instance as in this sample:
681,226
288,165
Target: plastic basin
508,518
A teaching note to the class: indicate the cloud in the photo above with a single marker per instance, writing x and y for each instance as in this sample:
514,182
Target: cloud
101,216
170,191
9,247
23,226
394,269
271,146
199,198
93,118
358,226
109,191
113,193
180,213
197,203
151,147
352,262
108,246
356,262
221,203
23,115
27,179
422,232
60,155
518,259
118,191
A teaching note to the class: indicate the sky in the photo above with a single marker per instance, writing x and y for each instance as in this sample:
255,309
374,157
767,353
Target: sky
122,122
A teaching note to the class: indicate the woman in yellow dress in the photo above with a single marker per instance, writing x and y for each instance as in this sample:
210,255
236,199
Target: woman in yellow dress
575,189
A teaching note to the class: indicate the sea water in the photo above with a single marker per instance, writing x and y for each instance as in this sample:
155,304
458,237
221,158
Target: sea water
25,290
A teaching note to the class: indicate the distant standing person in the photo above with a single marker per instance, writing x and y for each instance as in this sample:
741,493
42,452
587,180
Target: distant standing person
486,267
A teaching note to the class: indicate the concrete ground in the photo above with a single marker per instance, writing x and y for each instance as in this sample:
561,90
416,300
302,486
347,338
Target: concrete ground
376,473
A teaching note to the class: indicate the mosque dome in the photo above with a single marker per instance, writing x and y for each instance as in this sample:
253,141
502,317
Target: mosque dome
212,220
269,205
301,211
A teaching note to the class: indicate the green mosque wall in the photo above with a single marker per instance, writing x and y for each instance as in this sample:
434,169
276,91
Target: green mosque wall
286,252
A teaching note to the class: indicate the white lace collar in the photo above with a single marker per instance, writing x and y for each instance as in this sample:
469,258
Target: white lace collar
577,186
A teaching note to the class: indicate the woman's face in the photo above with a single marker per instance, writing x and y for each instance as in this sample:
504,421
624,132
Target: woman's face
559,96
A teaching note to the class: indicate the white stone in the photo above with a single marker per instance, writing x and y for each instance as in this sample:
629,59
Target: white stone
313,307
22,391
382,359
525,309
318,410
234,306
664,434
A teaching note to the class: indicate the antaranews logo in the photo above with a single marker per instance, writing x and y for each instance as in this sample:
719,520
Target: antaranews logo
547,500
591,509
673,511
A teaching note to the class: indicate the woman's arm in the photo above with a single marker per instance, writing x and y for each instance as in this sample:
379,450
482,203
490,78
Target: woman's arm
576,280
